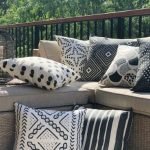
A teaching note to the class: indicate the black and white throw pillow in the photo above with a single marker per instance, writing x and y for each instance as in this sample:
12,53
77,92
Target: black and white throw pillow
123,69
41,72
106,129
48,129
101,53
142,83
74,52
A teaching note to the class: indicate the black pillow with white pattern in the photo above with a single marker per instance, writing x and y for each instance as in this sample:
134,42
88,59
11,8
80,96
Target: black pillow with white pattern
38,129
106,129
123,69
41,72
74,52
101,53
142,83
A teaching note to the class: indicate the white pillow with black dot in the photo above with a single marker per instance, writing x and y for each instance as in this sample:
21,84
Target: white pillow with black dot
41,72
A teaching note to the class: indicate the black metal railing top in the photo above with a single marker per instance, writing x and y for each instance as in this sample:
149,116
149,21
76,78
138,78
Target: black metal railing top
126,24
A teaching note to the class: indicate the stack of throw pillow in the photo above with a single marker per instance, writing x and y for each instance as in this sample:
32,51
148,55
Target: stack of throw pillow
112,62
78,129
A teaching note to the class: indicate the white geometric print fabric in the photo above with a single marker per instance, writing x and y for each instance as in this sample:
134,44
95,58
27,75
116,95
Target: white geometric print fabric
48,129
74,52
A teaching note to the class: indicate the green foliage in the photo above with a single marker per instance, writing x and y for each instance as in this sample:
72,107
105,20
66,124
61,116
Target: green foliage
15,11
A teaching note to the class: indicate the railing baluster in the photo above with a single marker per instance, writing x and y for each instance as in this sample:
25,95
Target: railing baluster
140,26
16,41
28,41
46,34
68,30
120,32
111,27
130,27
95,27
56,29
103,27
20,41
32,40
81,30
62,29
75,30
88,29
52,32
23,52
36,37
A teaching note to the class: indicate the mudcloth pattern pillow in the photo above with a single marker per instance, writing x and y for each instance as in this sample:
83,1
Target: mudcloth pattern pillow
142,83
123,69
41,72
106,129
74,52
101,53
48,129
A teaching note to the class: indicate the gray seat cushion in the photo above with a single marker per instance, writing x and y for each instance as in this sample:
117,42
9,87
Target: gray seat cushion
75,93
122,98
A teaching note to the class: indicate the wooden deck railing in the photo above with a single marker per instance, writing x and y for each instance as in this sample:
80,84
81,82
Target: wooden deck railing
126,24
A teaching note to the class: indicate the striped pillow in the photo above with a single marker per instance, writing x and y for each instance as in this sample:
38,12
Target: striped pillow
106,129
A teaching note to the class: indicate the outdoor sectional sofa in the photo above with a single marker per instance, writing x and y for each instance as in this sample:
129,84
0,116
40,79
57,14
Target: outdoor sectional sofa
88,94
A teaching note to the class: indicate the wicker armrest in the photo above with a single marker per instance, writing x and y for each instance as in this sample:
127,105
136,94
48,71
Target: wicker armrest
36,52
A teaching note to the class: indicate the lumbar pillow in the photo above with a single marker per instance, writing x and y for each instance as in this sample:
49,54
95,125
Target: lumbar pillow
142,83
41,72
74,52
123,69
102,52
48,129
106,129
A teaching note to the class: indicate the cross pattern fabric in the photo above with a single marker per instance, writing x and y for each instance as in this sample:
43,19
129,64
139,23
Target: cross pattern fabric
74,52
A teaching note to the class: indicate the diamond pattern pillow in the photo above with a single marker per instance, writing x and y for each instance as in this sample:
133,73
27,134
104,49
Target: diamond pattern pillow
123,69
142,83
74,52
48,129
102,52
41,72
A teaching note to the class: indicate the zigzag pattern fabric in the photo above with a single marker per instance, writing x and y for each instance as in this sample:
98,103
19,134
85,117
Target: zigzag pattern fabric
48,129
106,129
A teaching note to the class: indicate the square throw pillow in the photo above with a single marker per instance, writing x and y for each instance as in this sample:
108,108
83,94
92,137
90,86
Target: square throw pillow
106,129
102,52
41,72
48,129
142,83
74,52
123,69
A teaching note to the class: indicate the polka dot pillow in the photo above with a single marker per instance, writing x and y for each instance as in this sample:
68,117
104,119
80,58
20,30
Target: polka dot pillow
41,72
